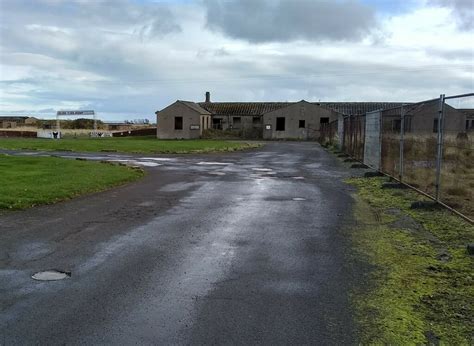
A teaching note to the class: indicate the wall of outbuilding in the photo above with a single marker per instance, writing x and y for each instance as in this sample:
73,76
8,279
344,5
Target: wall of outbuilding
308,112
165,122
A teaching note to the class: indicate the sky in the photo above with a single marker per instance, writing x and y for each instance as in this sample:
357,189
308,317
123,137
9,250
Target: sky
126,59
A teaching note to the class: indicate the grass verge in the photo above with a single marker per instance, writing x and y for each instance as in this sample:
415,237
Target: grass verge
421,286
147,144
30,181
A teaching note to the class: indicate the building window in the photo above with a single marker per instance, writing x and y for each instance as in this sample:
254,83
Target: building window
396,125
217,123
302,124
178,123
280,125
236,122
324,120
256,120
435,125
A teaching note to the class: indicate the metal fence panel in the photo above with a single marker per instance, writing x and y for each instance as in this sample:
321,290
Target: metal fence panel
457,164
428,145
420,145
372,145
390,146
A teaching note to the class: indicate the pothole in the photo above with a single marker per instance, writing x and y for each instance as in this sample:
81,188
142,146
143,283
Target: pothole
299,199
51,275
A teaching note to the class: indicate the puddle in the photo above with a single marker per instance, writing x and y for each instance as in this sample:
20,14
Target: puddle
157,158
147,164
51,275
217,173
262,169
214,163
299,199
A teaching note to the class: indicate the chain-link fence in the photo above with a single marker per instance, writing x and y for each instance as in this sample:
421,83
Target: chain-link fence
428,145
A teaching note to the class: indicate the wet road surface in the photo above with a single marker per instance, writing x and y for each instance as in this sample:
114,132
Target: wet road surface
241,248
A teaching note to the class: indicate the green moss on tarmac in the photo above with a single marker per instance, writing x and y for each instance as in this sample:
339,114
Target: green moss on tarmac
421,284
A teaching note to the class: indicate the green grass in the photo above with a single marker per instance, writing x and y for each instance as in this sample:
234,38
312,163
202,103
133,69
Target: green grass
30,181
422,281
147,144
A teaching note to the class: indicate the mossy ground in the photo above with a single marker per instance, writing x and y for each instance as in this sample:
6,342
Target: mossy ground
420,288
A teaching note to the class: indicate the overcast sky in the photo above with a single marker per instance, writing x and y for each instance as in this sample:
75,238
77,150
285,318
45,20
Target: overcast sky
128,58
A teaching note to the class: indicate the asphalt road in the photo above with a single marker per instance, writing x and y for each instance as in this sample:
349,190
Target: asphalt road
241,248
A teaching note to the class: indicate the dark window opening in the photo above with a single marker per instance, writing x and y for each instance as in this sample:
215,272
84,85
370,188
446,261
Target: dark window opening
324,120
302,124
236,122
396,125
256,120
435,125
217,124
178,123
280,124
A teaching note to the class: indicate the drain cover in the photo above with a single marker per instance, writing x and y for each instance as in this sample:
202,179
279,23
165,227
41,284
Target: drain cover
51,275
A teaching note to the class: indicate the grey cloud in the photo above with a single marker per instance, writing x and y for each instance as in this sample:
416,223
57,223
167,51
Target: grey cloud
81,15
287,20
462,9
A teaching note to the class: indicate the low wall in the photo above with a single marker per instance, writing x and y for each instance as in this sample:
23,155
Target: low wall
17,133
139,132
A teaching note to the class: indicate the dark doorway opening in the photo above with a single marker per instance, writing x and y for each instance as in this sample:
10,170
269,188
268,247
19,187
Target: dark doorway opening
280,125
178,123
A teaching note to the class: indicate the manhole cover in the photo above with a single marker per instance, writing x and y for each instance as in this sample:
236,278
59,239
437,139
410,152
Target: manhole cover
299,199
51,275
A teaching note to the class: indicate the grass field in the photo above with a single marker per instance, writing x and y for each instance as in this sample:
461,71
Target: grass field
421,284
126,145
29,181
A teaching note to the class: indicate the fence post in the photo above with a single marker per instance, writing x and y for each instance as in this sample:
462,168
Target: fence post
439,154
402,135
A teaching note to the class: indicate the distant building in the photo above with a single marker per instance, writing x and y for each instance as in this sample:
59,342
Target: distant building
10,122
469,112
287,120
423,118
